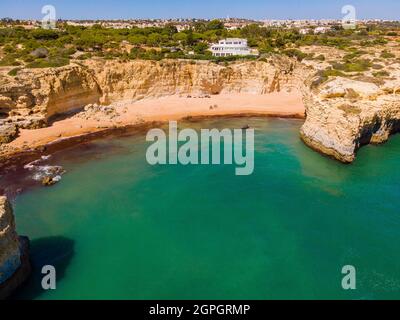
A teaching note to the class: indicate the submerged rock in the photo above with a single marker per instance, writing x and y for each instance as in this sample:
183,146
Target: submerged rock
49,181
14,259
48,175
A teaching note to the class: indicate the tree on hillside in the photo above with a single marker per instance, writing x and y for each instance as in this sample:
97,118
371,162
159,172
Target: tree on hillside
170,29
180,37
200,27
44,34
215,25
137,39
154,39
201,48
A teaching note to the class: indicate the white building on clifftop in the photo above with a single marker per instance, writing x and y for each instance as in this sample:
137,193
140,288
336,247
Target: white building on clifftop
231,47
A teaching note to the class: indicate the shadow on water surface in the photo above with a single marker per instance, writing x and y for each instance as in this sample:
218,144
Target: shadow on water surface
56,251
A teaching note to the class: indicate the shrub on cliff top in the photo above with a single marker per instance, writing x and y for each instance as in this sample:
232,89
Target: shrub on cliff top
9,60
84,56
295,53
359,65
332,73
382,73
387,55
323,75
48,63
44,34
354,54
14,72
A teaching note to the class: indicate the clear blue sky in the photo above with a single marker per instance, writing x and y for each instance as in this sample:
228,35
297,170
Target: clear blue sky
257,9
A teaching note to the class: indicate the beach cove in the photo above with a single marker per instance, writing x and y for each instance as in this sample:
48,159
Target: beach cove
94,107
201,232
151,111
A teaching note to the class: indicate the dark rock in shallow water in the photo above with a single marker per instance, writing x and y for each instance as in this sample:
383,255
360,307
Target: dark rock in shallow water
46,174
14,253
48,181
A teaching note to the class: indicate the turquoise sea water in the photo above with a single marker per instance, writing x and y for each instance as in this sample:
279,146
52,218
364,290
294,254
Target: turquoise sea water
118,228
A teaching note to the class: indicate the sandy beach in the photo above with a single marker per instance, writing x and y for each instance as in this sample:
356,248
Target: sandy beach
175,107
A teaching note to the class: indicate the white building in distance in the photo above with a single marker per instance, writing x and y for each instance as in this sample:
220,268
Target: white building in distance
231,47
322,30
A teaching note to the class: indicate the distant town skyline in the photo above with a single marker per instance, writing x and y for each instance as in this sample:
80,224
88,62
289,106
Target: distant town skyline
207,9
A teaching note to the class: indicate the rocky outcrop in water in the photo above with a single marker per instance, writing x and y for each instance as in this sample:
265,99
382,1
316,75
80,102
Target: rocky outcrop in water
344,114
14,260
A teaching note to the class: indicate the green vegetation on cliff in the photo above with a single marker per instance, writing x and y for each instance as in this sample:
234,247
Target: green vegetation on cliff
19,46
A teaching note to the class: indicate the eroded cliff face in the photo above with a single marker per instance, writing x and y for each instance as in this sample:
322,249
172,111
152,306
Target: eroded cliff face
10,258
38,94
145,79
14,262
344,114
35,95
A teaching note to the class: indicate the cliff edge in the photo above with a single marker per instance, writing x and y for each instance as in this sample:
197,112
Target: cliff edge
344,114
14,260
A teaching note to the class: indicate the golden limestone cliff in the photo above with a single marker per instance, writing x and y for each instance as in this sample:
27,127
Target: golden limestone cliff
38,94
14,262
35,95
9,243
343,113
143,79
